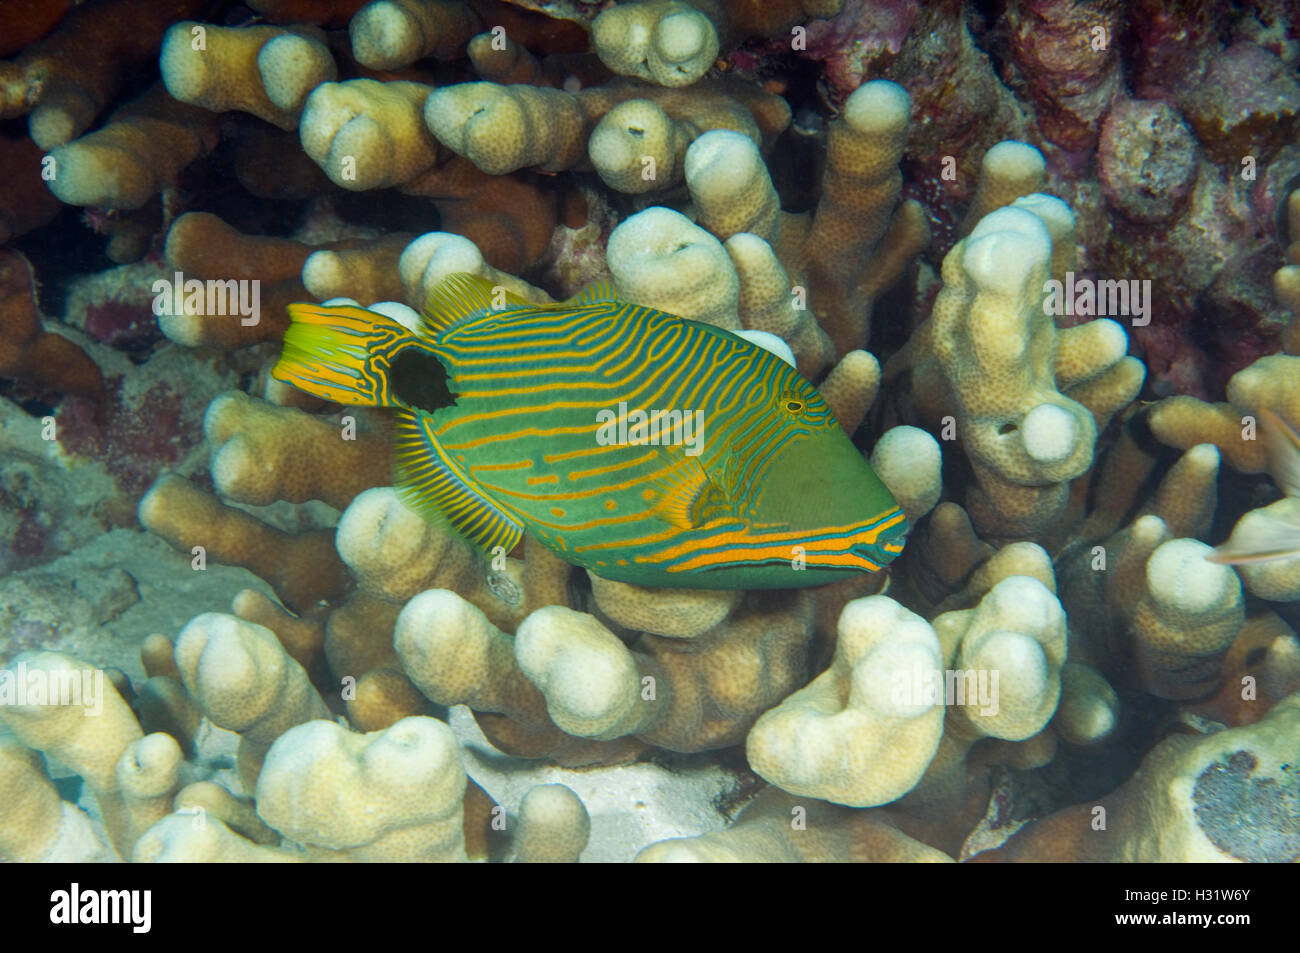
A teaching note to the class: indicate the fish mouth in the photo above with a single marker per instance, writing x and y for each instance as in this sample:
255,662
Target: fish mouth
885,548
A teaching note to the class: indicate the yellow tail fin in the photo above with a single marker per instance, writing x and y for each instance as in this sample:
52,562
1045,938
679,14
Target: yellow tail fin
342,353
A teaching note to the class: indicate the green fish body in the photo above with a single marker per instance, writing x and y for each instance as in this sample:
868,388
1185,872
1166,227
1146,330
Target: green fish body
645,447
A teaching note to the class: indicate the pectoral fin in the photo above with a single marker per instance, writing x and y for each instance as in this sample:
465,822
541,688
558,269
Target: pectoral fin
689,495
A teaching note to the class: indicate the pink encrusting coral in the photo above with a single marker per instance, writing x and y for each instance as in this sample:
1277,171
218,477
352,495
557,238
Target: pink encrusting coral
1041,260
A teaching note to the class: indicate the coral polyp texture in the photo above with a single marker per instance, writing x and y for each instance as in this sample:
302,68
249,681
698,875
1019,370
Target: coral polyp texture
1028,278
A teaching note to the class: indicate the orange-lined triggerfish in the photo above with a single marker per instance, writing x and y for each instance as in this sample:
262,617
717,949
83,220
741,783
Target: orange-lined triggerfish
648,448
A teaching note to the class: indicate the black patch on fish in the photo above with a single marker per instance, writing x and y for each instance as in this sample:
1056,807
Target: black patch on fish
419,380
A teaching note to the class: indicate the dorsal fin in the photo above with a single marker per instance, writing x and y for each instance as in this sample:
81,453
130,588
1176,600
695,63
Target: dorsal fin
463,296
595,293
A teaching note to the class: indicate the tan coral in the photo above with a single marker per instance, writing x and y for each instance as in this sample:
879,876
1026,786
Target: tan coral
1008,171
391,795
664,41
140,151
987,358
178,839
455,656
201,246
768,302
1272,381
675,613
1091,364
1021,558
392,34
262,453
731,187
67,78
722,103
156,656
435,255
244,681
395,553
264,70
207,799
163,705
303,636
1197,798
359,636
592,683
718,683
553,826
368,273
1187,495
31,812
383,697
504,128
1005,658
637,147
860,192
909,462
148,775
863,732
58,726
1186,620
302,569
366,134
946,549
659,259
498,58
1089,708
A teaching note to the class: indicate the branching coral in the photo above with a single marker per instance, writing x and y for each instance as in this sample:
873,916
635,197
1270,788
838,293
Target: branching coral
366,134
390,34
56,722
1054,611
263,453
302,569
859,734
664,41
504,128
139,152
66,79
988,358
261,70
860,194
243,680
403,786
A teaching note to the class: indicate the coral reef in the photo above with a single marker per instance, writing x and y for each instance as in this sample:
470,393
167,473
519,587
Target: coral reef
1042,267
